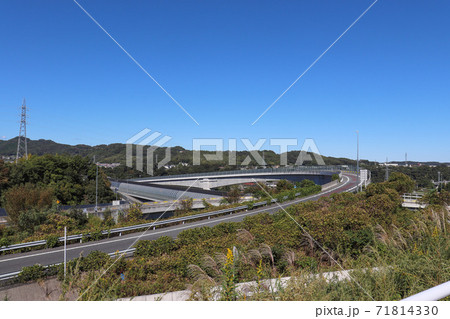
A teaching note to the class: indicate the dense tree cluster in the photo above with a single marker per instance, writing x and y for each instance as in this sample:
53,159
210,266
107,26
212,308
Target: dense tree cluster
423,175
33,188
71,178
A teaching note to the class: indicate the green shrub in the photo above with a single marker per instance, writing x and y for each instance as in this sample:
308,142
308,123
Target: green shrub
27,221
134,213
94,261
206,204
108,220
52,241
72,267
78,215
85,237
31,273
96,235
291,195
307,263
194,235
357,240
225,228
158,247
4,241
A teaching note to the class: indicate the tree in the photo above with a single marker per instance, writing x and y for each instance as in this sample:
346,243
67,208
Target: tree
23,198
72,178
4,176
437,198
30,219
185,205
283,185
233,195
401,183
134,213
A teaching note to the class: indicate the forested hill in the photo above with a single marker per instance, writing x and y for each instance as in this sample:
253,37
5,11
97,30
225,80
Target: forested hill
181,160
108,153
115,153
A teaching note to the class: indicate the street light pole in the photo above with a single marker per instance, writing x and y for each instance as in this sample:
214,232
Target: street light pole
65,251
96,186
357,161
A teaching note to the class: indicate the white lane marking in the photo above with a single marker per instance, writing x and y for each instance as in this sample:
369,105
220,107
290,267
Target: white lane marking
179,228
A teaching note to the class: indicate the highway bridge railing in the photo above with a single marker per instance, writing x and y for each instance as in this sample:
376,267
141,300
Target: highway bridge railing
312,169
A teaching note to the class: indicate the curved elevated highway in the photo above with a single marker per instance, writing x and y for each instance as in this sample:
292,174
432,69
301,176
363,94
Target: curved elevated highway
15,262
199,185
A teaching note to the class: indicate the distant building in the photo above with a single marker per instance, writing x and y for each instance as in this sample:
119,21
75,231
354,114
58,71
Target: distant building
389,164
8,158
108,165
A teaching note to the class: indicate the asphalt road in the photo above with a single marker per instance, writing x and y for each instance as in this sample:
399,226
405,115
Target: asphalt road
15,262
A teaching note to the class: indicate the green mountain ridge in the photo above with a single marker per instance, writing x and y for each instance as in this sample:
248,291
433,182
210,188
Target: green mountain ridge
115,153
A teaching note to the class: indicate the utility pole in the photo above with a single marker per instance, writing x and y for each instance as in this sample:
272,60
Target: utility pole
96,185
387,170
22,149
439,181
357,161
65,251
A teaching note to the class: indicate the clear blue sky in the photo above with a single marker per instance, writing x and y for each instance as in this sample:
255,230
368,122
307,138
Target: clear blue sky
226,62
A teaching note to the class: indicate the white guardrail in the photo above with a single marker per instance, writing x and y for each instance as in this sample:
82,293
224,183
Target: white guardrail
432,294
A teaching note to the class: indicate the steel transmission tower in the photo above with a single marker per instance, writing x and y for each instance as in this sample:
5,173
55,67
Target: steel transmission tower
22,149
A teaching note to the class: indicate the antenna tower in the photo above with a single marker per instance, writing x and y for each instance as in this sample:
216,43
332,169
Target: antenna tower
22,149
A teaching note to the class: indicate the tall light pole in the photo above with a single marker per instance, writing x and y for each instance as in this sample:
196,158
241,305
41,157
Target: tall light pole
439,181
357,161
65,251
96,185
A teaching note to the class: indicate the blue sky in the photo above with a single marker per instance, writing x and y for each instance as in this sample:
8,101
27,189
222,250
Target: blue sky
226,62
